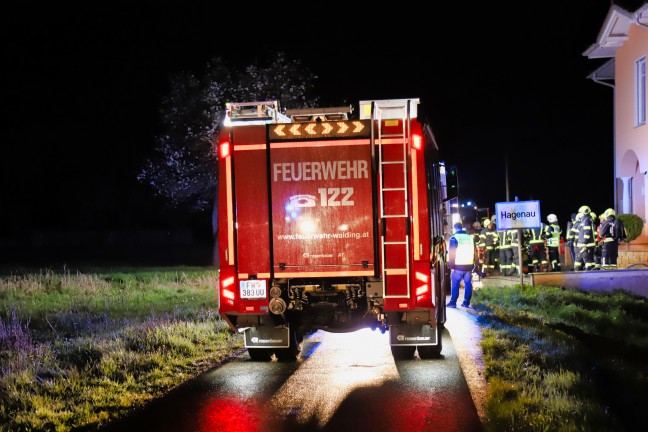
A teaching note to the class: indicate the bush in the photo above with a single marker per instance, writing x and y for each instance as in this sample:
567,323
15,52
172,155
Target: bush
633,225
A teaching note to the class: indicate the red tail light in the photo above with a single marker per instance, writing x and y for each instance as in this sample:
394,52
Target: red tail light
228,294
227,289
422,277
225,149
417,142
422,290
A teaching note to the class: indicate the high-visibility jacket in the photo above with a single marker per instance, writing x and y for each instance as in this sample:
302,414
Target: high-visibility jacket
490,238
536,235
552,234
570,233
504,240
515,240
461,251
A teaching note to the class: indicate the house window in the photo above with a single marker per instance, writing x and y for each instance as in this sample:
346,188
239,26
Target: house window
640,91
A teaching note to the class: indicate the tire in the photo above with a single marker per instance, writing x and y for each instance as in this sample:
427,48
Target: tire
442,276
289,354
260,354
430,351
403,352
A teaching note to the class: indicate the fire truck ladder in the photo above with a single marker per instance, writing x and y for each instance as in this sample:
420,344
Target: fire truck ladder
393,116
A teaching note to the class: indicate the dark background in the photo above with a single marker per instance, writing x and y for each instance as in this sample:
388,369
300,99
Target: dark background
81,86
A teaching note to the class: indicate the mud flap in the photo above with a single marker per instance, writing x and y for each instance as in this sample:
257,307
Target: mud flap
267,337
408,335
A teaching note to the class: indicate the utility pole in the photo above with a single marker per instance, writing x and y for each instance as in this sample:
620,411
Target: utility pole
506,176
520,259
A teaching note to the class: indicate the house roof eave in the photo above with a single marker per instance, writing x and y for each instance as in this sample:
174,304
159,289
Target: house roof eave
613,34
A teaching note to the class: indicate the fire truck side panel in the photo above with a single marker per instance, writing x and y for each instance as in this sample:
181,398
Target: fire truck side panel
227,286
423,282
421,225
252,216
322,208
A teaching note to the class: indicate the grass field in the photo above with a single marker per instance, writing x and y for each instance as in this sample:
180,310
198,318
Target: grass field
561,360
80,348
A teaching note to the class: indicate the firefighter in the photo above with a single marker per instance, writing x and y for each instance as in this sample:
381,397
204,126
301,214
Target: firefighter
610,241
537,250
570,234
493,220
505,253
586,241
480,242
461,260
489,239
579,263
598,249
552,235
515,251
476,227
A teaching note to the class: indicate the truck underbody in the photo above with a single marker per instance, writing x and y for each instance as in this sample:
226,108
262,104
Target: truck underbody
337,306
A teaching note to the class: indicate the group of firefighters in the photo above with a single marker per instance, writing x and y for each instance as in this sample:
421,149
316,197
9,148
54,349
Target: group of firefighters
592,243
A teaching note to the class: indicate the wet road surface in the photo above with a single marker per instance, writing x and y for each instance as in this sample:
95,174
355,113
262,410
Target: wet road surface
341,382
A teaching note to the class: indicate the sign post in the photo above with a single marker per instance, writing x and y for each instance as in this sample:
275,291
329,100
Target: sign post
518,215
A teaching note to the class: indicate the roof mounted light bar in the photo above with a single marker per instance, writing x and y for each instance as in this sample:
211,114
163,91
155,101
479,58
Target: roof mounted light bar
306,115
263,112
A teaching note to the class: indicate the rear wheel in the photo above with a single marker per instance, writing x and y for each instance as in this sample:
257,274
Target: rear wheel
260,354
289,354
430,351
403,352
441,274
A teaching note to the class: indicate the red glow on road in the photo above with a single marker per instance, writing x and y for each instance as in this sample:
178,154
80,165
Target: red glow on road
231,415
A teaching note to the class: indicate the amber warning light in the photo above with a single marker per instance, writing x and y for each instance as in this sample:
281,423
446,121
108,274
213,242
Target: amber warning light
325,129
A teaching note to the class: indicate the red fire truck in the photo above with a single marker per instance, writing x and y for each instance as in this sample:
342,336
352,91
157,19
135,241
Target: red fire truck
334,222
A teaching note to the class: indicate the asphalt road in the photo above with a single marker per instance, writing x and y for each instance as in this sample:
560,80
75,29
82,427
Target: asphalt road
342,382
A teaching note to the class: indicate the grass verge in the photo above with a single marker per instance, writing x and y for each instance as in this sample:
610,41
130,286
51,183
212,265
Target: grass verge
79,350
563,360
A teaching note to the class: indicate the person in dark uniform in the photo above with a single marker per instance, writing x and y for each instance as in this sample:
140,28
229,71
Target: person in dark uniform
552,235
570,235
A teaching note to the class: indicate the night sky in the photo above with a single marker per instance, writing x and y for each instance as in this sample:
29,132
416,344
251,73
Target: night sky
81,86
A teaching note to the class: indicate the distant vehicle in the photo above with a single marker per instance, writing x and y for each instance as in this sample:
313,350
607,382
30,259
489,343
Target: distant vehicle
331,222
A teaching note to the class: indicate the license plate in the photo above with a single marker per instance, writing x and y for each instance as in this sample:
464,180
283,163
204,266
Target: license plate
253,289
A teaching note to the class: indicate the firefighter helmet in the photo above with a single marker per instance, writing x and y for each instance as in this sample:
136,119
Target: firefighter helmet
592,215
609,212
552,218
584,209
